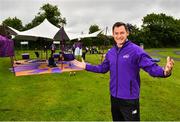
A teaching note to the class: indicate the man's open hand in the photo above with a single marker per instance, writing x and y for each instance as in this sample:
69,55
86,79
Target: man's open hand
169,66
79,64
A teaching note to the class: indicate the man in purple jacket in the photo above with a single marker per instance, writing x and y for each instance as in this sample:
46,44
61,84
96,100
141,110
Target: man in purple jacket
124,61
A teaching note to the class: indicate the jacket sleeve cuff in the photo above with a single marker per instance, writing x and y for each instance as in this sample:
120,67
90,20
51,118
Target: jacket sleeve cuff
87,67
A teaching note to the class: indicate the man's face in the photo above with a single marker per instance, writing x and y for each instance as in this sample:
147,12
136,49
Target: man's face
120,35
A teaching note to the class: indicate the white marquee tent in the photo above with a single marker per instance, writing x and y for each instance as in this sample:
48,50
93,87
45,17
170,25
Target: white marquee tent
78,36
44,30
49,31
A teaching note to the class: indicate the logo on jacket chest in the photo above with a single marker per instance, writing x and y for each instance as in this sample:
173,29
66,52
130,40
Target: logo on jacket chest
126,56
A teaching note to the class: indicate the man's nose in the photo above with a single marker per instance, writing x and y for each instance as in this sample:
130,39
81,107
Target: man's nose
118,36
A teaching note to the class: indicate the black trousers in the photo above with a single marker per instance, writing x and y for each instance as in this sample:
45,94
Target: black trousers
125,110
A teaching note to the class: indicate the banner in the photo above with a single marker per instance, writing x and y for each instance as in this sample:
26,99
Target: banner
6,47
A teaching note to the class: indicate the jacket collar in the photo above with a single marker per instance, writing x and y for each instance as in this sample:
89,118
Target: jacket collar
124,45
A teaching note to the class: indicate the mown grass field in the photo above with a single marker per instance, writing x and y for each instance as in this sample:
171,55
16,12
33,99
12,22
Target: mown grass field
84,96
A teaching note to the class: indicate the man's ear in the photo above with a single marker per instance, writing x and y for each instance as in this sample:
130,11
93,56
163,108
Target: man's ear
127,33
113,33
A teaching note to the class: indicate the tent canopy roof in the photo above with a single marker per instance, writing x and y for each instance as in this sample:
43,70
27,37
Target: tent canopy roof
50,32
44,30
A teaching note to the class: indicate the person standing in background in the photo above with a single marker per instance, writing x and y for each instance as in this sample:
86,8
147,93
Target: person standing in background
53,48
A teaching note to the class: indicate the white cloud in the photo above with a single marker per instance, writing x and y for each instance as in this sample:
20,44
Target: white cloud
80,14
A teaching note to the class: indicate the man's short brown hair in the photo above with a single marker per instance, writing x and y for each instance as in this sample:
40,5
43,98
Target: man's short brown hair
118,24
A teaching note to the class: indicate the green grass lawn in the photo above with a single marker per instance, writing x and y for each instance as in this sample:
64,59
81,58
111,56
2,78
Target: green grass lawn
85,96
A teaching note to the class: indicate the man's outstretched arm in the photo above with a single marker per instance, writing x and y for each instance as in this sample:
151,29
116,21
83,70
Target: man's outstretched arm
101,68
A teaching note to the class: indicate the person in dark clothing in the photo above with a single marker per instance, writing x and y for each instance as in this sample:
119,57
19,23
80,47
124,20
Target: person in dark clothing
51,62
124,61
53,48
45,49
37,54
84,55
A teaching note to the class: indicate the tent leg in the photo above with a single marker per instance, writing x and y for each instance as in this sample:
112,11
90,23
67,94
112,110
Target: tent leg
12,64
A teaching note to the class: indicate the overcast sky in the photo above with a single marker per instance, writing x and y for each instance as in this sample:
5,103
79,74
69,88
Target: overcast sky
80,14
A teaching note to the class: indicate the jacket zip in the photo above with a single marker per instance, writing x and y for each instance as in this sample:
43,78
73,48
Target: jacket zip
118,52
117,73
130,88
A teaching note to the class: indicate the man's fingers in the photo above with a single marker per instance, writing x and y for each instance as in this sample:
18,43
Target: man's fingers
168,59
75,62
79,64
169,66
82,60
172,61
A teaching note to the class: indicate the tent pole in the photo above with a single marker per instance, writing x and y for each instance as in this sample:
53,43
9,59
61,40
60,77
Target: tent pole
12,64
46,51
104,46
12,59
62,47
41,48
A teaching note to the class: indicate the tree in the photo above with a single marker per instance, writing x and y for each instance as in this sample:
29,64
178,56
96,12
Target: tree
93,28
94,41
50,12
134,33
14,23
160,30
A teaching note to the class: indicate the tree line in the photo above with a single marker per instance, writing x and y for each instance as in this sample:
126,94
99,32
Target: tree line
157,30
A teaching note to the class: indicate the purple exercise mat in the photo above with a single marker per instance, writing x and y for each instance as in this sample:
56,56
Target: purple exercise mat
26,67
56,70
38,71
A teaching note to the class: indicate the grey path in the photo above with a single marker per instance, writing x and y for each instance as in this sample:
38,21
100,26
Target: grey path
155,53
177,52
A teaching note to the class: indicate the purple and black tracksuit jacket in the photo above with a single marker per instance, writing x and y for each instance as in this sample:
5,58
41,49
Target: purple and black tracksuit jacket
124,65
